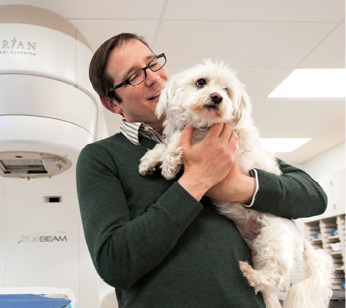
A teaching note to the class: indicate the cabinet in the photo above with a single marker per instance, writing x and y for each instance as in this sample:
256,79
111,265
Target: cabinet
329,234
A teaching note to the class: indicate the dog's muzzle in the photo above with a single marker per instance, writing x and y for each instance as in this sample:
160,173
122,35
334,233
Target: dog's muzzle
216,98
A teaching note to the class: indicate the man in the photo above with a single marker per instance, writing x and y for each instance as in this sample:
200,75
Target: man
161,243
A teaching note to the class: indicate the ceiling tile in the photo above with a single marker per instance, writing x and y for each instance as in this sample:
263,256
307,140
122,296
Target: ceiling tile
96,32
321,120
317,146
300,118
73,9
330,53
247,44
259,81
264,10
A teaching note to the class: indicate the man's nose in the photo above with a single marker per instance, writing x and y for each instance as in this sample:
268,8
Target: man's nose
152,78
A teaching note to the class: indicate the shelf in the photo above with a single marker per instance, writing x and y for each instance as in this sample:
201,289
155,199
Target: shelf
329,234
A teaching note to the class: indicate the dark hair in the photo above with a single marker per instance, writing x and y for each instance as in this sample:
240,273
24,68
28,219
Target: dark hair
100,80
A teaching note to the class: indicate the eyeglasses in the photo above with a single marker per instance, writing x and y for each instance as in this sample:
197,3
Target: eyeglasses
140,75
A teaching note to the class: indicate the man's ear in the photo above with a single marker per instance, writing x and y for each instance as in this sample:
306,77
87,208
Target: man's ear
111,105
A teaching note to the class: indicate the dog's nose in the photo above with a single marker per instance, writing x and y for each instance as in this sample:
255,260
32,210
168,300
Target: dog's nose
216,98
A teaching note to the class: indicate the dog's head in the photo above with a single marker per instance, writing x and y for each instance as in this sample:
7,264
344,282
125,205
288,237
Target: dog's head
203,95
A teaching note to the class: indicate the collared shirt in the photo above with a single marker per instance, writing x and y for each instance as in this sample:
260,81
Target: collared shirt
135,129
132,130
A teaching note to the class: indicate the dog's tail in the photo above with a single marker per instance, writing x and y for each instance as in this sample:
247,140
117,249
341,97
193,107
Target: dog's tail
314,286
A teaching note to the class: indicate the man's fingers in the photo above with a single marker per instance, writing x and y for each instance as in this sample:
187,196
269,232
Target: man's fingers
234,138
186,137
224,132
220,131
215,130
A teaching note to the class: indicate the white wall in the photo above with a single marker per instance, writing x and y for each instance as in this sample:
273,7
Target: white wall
328,169
326,163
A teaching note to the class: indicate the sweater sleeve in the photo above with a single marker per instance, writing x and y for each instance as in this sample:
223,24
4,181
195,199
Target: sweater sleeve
124,248
294,194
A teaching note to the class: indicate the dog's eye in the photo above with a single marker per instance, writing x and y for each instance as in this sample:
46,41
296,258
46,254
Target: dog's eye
201,83
226,90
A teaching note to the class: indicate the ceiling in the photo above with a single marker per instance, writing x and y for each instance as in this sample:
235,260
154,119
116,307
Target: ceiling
263,40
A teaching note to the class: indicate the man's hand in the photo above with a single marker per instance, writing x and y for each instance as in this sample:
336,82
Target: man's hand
236,187
209,161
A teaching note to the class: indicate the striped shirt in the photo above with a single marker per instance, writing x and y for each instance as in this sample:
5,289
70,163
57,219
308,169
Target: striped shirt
135,129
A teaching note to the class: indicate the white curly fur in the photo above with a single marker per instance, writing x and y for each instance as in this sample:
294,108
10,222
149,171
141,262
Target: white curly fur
209,93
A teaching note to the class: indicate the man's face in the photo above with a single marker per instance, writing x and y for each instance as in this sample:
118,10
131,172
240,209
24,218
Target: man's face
138,102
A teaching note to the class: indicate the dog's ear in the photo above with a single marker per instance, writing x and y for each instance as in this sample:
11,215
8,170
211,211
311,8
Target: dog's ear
242,112
162,104
167,93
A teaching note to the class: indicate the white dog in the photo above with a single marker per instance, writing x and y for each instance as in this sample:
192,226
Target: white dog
211,93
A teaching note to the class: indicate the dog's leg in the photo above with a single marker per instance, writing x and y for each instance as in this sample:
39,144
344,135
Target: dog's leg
172,161
259,279
273,258
270,297
151,160
262,282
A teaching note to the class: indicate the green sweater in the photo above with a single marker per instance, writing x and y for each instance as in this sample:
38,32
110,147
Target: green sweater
157,245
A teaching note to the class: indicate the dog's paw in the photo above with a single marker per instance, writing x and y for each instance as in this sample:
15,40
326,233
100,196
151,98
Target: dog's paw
250,274
245,268
169,171
149,164
145,169
171,162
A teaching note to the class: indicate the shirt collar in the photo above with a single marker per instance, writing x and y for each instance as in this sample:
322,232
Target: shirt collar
132,131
